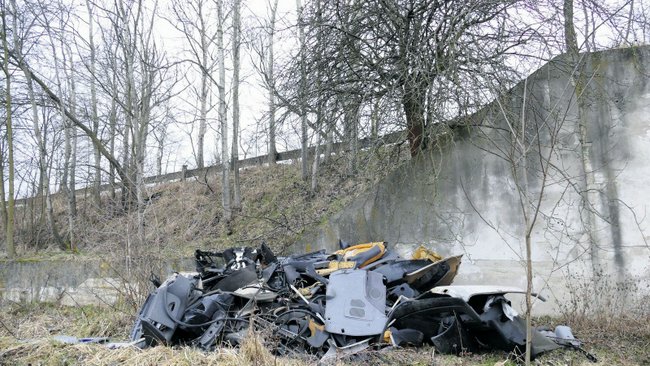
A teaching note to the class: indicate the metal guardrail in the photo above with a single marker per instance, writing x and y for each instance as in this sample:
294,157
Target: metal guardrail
185,173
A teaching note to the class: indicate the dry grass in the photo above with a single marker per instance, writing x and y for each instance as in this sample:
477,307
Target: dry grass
39,320
48,352
622,340
26,330
26,338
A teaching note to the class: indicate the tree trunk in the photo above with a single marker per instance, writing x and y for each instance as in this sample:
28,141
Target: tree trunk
93,108
141,141
271,82
71,147
112,122
413,105
236,19
225,168
329,145
66,116
628,29
127,190
65,186
9,222
73,153
374,121
303,96
319,122
128,47
320,101
351,112
315,166
147,76
42,164
590,194
585,12
569,29
203,99
3,192
161,150
528,226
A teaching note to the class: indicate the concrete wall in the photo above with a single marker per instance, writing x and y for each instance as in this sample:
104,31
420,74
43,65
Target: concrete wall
79,281
461,197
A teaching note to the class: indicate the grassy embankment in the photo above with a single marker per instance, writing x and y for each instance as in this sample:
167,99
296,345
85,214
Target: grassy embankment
277,207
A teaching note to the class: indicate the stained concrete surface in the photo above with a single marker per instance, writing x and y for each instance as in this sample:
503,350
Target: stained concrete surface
461,197
76,282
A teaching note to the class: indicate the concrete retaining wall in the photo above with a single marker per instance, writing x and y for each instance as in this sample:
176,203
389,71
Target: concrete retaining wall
461,197
78,282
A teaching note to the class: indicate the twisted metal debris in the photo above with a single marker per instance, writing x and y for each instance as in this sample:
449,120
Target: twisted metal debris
333,304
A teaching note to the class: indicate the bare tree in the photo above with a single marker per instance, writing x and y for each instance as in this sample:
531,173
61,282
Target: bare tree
93,105
236,44
141,83
193,20
302,93
112,122
320,102
160,136
69,177
526,138
44,174
9,221
579,79
520,170
270,81
70,147
223,121
400,49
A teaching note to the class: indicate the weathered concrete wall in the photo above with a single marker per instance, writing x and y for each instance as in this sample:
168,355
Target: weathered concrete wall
461,196
77,282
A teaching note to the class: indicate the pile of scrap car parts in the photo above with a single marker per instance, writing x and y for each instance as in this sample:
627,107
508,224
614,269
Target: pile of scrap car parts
334,304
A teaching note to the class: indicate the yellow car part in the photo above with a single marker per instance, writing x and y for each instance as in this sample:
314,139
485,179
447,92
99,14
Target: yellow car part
355,250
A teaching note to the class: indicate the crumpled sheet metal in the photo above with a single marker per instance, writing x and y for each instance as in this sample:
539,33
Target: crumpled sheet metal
330,304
